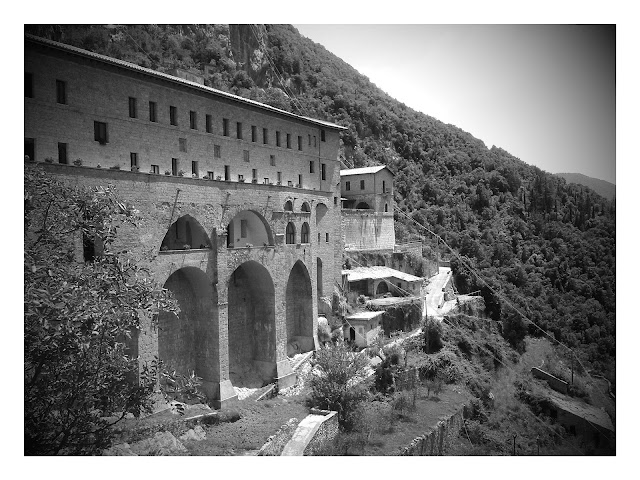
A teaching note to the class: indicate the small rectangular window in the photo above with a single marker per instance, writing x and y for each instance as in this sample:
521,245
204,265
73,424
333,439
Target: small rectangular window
347,186
193,120
152,112
299,142
272,160
300,181
327,236
182,143
132,108
225,127
174,166
239,130
335,200
323,166
207,121
288,140
173,115
277,138
361,184
134,159
28,84
241,178
254,174
266,180
279,177
61,92
62,153
100,132
265,136
245,153
254,133
243,228
312,166
322,136
315,141
216,151
384,186
194,168
155,169
210,175
309,139
227,173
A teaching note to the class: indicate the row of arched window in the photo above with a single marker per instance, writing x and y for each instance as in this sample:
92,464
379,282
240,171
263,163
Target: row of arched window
290,236
288,207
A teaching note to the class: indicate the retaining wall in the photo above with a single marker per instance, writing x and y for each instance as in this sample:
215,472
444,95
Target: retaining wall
554,382
275,443
439,439
325,433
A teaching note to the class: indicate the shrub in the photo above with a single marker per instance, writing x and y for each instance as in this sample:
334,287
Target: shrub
514,330
432,332
337,382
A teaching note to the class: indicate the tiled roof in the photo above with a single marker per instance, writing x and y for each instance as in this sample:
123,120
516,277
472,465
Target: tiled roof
364,315
165,76
363,170
364,273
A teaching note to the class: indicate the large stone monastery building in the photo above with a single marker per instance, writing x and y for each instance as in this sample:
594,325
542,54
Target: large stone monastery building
240,205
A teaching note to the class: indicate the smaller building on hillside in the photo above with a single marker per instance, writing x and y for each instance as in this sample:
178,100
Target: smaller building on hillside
367,213
363,328
378,281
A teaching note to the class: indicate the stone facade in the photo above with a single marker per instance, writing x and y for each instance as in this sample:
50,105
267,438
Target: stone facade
220,246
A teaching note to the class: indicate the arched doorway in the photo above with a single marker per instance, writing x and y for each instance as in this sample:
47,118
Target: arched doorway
299,311
252,326
185,341
382,288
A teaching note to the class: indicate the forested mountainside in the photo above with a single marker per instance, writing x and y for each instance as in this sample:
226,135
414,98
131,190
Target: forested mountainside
601,187
546,246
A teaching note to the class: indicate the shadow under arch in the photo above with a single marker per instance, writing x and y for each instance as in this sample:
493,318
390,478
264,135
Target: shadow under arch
321,211
186,230
299,310
363,206
187,340
248,227
252,326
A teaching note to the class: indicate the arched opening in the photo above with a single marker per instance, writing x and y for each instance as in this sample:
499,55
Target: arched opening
252,326
382,288
288,206
321,211
363,206
248,229
290,236
186,341
304,233
305,207
299,311
386,207
185,233
319,276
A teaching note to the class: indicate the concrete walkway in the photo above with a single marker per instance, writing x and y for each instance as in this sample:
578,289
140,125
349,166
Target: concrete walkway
303,434
434,304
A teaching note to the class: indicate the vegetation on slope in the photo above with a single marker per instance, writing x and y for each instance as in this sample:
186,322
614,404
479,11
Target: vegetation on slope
546,246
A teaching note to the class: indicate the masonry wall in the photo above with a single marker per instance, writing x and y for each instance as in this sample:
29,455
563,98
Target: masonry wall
437,440
367,230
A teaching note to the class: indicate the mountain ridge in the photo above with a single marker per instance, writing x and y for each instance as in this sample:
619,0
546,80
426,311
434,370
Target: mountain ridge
601,187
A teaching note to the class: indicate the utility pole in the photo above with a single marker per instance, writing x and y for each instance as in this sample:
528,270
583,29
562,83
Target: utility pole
514,443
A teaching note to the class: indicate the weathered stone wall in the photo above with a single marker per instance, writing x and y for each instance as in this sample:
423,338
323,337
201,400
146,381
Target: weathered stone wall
275,443
325,433
437,440
554,382
362,229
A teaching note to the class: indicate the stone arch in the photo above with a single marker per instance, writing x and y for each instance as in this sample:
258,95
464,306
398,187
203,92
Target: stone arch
288,206
304,233
382,288
299,310
186,230
185,341
305,207
363,206
252,326
321,211
290,234
246,228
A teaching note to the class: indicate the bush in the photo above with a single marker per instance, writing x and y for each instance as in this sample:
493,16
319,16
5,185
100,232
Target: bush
337,382
514,331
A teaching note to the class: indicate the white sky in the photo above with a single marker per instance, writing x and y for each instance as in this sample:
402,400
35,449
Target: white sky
546,93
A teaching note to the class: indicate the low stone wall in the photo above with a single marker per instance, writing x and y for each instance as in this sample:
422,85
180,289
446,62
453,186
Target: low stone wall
554,382
325,433
438,440
275,443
